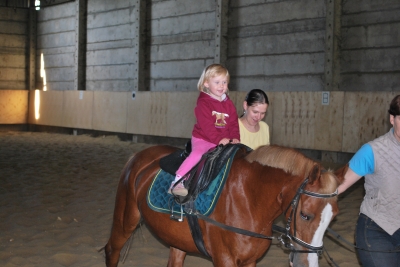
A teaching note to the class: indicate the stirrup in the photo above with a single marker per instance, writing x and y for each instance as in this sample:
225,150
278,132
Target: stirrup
174,217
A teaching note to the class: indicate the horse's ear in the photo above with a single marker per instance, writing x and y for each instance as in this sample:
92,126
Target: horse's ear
341,172
314,174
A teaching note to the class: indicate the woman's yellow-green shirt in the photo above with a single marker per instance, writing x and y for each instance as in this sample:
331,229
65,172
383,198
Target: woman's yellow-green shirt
254,140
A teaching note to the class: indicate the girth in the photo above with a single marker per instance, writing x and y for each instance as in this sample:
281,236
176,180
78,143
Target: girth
200,178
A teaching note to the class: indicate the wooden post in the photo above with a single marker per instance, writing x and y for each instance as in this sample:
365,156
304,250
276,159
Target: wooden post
80,44
221,31
138,47
332,38
31,81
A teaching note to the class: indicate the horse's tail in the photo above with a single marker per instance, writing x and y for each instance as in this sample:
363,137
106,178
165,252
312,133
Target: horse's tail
120,222
124,184
127,189
126,171
130,187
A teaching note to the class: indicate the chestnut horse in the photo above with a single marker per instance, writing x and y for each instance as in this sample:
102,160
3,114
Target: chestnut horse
261,185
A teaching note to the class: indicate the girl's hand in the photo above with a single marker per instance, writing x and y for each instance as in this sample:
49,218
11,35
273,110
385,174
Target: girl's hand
224,141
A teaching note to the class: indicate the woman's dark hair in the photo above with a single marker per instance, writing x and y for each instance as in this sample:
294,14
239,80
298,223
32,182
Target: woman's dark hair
256,96
394,108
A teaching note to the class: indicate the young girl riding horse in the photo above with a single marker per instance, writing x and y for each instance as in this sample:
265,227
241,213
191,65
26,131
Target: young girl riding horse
217,121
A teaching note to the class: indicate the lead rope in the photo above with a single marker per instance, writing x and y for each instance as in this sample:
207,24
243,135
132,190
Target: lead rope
330,258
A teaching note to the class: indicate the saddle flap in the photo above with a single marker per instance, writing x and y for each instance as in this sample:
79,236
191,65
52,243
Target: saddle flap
173,161
202,175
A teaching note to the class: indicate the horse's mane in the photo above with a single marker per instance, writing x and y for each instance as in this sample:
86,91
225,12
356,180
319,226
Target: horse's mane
287,159
292,162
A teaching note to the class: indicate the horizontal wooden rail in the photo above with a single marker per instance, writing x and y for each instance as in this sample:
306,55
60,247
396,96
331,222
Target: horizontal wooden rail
296,119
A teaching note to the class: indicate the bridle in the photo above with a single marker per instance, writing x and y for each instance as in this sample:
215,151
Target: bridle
286,238
285,233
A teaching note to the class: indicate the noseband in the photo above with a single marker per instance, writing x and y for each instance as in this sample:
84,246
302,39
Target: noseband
286,238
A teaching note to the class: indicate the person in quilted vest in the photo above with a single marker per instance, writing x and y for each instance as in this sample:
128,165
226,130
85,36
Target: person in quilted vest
378,225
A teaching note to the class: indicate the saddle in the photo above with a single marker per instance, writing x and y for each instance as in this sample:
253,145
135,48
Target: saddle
204,172
207,169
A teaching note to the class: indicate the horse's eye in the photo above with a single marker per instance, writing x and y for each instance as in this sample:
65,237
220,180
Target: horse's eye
304,216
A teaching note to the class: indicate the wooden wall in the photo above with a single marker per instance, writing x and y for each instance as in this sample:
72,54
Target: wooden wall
276,45
296,119
370,45
110,55
13,47
13,106
56,39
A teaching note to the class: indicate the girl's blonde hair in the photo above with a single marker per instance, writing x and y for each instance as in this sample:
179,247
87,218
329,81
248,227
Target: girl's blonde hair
209,72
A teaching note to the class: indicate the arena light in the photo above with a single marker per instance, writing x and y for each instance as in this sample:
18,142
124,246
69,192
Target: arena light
37,104
43,72
37,4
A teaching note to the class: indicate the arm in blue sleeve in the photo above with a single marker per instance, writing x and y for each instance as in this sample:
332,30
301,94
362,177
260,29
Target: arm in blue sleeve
363,161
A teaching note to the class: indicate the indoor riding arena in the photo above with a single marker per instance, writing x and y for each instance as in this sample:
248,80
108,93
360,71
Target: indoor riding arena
86,84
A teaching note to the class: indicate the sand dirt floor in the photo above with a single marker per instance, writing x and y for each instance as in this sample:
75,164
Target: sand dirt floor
57,196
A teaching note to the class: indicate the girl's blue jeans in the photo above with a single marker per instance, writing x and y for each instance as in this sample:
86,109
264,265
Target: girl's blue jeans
369,236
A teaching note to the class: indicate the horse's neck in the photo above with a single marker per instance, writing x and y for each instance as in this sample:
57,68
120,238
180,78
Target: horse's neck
273,193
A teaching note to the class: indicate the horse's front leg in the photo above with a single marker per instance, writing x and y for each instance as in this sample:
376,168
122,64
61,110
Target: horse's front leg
176,257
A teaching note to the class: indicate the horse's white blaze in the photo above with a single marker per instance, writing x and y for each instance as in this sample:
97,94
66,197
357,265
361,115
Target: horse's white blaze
326,217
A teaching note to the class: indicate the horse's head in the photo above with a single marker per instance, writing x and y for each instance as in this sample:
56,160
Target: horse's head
314,202
309,214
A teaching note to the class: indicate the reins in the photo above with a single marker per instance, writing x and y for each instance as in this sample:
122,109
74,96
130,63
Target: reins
311,249
286,238
285,232
232,228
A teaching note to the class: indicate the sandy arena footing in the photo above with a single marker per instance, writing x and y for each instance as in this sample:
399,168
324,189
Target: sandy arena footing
57,198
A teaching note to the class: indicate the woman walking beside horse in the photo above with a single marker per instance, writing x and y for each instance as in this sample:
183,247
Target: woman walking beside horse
378,225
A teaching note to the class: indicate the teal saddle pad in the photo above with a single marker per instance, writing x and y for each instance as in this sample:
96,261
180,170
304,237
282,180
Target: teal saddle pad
159,200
